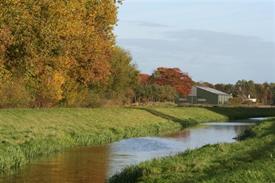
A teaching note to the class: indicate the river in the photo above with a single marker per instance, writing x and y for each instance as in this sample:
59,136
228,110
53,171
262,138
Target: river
95,164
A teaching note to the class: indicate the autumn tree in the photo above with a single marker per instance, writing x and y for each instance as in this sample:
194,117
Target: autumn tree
57,47
173,77
143,79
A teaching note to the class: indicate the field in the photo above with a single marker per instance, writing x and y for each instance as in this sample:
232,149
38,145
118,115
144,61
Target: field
247,161
27,134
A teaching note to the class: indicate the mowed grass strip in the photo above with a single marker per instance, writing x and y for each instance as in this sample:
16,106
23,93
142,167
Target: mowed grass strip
247,161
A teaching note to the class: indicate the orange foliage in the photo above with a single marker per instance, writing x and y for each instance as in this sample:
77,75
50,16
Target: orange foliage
143,79
52,43
173,77
6,40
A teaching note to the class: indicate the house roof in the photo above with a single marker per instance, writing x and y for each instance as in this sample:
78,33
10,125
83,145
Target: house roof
211,90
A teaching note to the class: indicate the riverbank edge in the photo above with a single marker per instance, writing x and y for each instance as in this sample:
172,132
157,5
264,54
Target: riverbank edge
14,156
231,162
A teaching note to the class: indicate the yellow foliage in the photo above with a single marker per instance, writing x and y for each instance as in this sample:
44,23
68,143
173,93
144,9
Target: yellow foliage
5,75
75,95
13,92
51,44
6,39
49,91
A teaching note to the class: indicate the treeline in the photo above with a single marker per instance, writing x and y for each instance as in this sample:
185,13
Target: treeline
164,85
62,53
242,90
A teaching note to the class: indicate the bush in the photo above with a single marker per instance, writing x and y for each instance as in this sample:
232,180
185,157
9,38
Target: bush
155,93
14,94
235,101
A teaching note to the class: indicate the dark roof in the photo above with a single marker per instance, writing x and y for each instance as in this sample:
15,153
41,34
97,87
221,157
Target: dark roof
212,90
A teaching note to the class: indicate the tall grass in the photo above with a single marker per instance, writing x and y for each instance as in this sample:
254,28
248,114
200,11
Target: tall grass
26,134
251,160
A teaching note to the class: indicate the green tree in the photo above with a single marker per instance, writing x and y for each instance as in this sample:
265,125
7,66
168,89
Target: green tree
264,93
227,88
244,88
272,86
124,75
155,93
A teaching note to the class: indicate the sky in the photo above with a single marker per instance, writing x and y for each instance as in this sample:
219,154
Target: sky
218,41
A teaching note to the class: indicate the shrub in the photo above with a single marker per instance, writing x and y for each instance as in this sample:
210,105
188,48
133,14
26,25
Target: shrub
13,93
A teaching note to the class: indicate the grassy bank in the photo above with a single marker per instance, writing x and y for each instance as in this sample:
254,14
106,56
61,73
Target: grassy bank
30,133
250,160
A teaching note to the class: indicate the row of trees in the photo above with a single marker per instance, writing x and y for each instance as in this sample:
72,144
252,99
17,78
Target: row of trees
61,53
243,89
164,85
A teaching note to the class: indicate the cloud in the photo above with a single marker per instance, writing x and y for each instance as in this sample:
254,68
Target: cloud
146,24
151,24
207,55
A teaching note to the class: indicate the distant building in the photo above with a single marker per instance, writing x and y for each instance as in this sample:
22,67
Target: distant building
253,100
206,95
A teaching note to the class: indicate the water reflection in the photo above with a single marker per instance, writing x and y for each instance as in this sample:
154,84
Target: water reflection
79,165
133,151
95,164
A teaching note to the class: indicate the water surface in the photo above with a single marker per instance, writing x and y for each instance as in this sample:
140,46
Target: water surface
95,164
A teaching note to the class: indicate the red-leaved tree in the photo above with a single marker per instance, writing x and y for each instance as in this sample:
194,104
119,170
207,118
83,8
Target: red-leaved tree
143,79
173,77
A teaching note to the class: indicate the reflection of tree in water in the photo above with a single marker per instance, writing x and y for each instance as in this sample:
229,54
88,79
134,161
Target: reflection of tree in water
240,129
92,164
86,165
81,165
181,134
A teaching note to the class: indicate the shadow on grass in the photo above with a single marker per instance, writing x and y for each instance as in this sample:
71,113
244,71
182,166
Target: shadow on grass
184,123
234,113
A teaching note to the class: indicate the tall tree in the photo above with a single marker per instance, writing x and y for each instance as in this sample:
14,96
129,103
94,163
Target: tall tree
124,75
143,79
53,44
227,88
272,86
173,77
244,89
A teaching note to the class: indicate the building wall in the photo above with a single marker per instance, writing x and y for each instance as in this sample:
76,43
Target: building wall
197,95
192,99
211,98
223,99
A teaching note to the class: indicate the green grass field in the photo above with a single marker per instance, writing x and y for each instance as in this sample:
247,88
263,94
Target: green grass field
27,134
248,161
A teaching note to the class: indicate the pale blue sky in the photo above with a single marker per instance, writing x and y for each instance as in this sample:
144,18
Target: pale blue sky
212,40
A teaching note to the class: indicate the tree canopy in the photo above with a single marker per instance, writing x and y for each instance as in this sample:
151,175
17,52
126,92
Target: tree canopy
64,53
173,77
57,47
